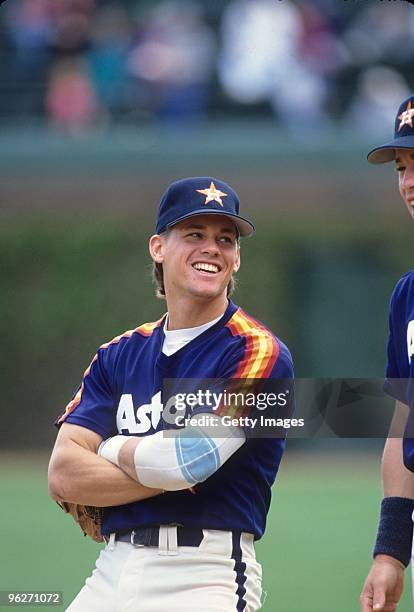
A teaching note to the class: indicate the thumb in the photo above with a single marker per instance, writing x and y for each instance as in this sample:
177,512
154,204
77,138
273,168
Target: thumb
378,600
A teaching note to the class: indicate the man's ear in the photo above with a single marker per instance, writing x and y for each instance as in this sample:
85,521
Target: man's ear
237,262
156,248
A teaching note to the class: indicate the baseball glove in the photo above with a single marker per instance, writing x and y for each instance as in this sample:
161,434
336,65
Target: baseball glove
89,518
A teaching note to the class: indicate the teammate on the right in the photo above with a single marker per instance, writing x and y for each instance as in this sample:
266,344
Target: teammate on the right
392,552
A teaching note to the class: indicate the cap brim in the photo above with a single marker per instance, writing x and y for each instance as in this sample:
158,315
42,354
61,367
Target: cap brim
245,227
386,152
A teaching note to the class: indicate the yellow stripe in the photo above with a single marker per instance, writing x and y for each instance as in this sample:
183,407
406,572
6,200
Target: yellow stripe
262,353
262,349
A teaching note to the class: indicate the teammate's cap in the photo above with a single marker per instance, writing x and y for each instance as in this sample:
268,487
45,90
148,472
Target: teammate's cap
200,196
403,135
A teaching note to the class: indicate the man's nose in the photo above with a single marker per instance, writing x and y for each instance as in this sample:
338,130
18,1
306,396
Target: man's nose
209,246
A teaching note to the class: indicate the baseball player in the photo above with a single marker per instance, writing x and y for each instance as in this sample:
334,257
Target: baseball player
182,505
392,552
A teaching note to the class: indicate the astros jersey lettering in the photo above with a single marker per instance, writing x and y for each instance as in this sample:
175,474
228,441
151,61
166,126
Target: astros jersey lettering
401,355
122,393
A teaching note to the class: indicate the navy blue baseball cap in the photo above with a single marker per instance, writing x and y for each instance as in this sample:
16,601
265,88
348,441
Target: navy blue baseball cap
200,195
403,135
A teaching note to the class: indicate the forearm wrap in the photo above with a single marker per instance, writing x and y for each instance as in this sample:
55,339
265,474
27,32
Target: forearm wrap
109,449
395,530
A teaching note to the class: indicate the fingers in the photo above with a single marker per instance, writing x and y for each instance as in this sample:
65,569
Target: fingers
383,586
376,603
379,601
384,598
366,603
379,605
367,597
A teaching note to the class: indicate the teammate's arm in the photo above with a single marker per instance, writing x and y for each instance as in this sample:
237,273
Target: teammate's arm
77,474
384,584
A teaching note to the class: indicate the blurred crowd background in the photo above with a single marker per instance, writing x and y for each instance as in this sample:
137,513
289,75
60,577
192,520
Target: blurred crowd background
306,64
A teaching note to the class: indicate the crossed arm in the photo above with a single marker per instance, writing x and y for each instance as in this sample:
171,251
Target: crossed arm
175,460
77,474
124,469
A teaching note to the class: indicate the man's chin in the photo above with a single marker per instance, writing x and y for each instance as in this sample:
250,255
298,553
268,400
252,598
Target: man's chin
207,293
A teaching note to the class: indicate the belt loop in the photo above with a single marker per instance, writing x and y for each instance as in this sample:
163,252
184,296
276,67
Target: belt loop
163,540
132,540
172,540
111,542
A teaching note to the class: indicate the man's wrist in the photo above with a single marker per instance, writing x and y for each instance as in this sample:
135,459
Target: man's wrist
390,560
395,529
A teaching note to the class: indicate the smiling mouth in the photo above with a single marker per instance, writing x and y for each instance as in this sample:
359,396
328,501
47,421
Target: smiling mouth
205,267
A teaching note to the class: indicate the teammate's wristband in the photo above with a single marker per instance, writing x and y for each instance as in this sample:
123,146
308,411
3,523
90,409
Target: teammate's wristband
395,530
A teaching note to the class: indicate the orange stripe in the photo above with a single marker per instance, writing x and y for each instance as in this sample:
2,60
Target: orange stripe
144,330
262,350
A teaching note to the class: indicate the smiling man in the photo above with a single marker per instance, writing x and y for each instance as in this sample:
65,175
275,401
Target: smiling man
191,548
392,552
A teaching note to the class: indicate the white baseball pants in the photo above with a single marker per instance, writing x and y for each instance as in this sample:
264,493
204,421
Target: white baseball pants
216,576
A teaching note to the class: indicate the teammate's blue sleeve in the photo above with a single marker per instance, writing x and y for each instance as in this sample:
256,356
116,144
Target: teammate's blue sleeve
395,383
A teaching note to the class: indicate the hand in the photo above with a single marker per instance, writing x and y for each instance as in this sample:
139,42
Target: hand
383,586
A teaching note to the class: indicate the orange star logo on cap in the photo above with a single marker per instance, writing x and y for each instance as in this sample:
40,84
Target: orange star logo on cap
406,117
212,194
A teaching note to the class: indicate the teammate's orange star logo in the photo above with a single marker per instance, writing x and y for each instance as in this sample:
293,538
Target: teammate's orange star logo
406,117
212,194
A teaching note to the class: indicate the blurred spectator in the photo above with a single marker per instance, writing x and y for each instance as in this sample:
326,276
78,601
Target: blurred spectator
72,27
29,26
382,32
299,58
174,60
262,59
320,46
260,40
379,92
111,41
71,103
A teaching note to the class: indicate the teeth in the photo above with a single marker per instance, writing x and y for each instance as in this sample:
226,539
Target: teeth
206,267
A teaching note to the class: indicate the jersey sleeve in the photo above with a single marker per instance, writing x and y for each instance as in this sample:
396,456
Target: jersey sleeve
395,381
269,359
93,404
255,378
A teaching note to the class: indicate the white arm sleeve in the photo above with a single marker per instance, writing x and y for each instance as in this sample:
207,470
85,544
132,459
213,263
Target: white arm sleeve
179,459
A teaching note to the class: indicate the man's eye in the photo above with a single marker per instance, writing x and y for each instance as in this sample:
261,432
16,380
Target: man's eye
226,239
400,168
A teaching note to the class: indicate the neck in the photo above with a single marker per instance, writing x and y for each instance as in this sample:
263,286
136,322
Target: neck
183,314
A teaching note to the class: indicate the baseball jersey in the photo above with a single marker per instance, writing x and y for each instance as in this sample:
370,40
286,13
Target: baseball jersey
122,393
400,366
